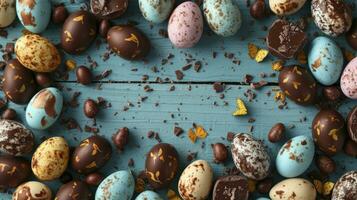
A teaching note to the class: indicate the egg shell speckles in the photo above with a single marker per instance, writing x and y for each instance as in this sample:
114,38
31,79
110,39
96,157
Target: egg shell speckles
295,156
7,12
148,195
15,138
286,7
32,190
223,17
185,25
44,108
349,79
325,60
156,11
50,159
34,14
333,17
196,181
119,185
37,53
250,156
346,187
294,188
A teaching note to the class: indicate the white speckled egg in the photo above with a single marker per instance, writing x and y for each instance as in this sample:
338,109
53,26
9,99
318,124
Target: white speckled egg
286,7
185,25
196,181
32,190
295,156
44,108
50,159
34,14
223,17
349,79
148,195
156,11
7,12
325,60
118,185
294,188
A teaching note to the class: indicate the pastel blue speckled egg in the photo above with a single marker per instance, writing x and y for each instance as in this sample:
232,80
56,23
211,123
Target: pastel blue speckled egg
223,17
325,60
262,198
148,195
44,108
34,14
117,186
156,11
295,156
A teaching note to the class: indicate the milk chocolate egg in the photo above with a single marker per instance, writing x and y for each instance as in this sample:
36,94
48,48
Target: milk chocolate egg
32,190
78,32
161,165
346,187
329,131
13,171
108,9
91,154
128,42
298,85
18,82
74,190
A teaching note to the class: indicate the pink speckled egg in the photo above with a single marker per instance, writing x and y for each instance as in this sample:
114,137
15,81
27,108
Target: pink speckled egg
185,25
349,79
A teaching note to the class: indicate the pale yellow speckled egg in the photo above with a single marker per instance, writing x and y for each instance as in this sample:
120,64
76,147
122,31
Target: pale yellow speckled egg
50,159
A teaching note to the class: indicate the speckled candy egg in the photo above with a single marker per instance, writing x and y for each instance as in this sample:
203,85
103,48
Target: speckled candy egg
223,17
196,181
74,190
34,14
329,131
119,185
50,159
325,60
14,171
37,53
15,138
250,156
161,165
294,188
286,7
295,156
44,108
148,195
32,190
349,79
333,17
156,11
298,85
346,187
91,154
185,25
7,12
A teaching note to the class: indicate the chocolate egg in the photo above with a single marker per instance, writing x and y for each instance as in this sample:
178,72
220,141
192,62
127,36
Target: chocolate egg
352,124
156,11
329,131
349,79
346,187
74,190
34,14
298,84
32,190
229,187
351,35
7,12
333,17
128,42
161,165
91,154
293,188
78,32
108,9
286,7
13,171
18,82
15,138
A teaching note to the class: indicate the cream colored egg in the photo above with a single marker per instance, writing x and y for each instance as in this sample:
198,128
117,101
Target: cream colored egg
7,12
32,190
293,188
50,159
286,7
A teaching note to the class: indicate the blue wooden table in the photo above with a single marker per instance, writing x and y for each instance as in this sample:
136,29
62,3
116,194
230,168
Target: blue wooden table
192,101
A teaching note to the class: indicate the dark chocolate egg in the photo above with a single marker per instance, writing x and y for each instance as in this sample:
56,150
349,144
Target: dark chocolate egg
18,82
91,154
329,131
128,42
74,190
79,31
351,35
13,171
161,165
108,9
231,186
352,124
298,85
